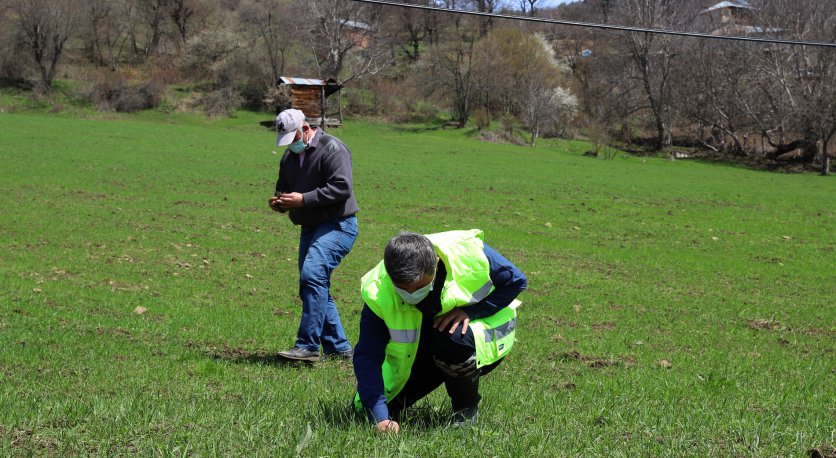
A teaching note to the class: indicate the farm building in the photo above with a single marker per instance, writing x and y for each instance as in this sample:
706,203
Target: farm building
312,97
733,17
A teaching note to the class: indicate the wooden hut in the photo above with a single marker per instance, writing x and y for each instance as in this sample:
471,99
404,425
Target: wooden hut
312,97
730,17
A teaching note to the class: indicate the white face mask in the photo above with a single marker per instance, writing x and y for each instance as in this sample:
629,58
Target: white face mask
418,295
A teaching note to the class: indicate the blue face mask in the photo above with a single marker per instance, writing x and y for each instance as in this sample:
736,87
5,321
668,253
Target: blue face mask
297,147
416,296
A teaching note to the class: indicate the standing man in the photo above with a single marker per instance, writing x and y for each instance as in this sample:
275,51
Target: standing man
316,187
438,309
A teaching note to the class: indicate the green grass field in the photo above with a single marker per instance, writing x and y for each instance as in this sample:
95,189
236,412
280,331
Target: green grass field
674,308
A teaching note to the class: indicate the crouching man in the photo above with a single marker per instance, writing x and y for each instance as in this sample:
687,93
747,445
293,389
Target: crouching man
438,309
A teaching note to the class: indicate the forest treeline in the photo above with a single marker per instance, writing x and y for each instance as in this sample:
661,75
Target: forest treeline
763,102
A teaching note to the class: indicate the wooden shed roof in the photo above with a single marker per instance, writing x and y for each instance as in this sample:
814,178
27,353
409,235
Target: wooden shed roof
331,85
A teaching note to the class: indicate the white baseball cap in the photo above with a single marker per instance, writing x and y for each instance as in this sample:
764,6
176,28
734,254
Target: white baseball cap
287,123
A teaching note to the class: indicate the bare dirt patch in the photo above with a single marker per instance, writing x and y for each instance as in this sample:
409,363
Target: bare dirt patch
820,332
823,451
556,322
116,286
783,342
595,362
20,437
605,326
60,274
563,386
27,440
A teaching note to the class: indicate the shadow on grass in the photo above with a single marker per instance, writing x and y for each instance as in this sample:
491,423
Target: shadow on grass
414,129
339,414
425,126
422,417
239,356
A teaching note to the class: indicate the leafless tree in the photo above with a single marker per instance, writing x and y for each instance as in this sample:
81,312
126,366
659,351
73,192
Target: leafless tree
529,7
794,108
411,31
45,26
99,13
487,6
219,55
9,65
812,70
452,68
155,12
108,29
719,93
600,77
818,97
654,58
270,24
181,13
605,7
344,38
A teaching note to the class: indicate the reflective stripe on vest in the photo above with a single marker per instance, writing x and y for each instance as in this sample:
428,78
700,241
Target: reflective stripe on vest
468,269
494,335
500,332
404,335
481,293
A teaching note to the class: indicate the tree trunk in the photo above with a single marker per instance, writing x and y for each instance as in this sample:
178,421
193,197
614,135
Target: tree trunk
825,159
738,149
660,131
463,111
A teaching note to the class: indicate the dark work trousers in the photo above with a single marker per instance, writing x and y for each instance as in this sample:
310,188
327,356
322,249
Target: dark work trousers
438,351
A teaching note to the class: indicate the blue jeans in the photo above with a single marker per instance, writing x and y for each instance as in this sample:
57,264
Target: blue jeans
321,248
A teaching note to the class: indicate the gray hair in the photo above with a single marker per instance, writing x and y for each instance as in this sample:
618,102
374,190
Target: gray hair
409,257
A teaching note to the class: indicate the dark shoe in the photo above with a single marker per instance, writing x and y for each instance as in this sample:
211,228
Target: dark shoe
465,417
300,354
346,355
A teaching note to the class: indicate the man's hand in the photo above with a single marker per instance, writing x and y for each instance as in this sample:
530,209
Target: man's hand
453,318
276,205
291,200
386,426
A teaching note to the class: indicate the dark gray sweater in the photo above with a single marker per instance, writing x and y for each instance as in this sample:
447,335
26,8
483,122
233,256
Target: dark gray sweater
324,179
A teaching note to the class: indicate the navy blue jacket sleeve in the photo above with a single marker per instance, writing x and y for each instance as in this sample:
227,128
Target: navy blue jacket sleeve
369,354
508,282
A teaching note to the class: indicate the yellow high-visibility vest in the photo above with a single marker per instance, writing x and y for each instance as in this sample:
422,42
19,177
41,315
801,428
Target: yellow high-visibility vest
468,281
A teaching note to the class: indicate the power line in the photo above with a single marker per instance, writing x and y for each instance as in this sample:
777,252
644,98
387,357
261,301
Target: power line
603,26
